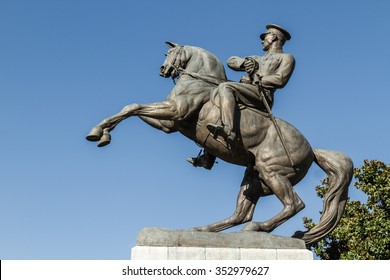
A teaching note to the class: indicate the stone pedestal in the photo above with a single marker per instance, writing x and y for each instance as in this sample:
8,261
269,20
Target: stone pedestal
164,244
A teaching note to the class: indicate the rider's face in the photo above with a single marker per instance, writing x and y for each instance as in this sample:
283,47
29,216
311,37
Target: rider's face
268,39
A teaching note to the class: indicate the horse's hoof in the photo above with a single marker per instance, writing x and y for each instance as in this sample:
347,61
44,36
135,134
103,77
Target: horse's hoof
105,140
204,228
251,227
95,134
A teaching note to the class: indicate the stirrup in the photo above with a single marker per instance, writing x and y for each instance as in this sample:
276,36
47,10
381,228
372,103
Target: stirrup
204,160
222,130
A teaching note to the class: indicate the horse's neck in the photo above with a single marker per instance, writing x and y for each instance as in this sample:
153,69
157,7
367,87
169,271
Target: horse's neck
204,63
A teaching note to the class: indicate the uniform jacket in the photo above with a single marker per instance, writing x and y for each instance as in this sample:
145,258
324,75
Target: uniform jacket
274,70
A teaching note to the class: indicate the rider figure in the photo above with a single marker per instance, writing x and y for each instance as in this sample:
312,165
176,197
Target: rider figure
266,73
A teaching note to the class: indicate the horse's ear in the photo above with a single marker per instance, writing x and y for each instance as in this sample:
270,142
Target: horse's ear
171,44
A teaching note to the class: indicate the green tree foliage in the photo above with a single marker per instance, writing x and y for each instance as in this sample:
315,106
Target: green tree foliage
364,230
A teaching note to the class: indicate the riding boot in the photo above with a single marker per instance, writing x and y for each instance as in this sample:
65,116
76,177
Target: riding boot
228,108
205,160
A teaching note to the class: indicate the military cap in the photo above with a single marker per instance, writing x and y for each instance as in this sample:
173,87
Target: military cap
277,30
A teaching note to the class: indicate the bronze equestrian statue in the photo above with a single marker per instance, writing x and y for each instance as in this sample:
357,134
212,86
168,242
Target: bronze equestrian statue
276,155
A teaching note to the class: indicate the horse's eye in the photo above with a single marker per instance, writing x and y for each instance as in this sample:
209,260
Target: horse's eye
165,54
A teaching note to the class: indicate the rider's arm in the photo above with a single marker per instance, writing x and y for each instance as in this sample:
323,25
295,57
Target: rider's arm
236,63
281,76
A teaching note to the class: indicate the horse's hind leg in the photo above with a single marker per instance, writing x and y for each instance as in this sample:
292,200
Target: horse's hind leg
248,196
282,188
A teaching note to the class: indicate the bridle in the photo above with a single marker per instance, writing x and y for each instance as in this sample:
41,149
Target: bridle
177,62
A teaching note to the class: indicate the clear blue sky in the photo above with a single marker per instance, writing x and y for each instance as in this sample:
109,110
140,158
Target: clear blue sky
66,65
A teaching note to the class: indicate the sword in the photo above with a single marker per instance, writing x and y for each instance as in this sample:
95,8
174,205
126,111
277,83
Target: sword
257,82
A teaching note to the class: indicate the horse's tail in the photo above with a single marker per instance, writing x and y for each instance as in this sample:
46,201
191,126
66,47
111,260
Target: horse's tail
339,168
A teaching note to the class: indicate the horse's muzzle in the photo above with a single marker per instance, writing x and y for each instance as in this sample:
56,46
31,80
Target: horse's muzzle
169,71
165,71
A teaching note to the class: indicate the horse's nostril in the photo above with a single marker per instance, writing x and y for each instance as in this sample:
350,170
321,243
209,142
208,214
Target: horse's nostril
165,71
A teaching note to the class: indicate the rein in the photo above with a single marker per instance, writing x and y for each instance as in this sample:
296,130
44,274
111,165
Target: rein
205,78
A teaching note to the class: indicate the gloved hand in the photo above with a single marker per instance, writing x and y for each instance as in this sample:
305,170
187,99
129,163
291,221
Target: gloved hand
250,65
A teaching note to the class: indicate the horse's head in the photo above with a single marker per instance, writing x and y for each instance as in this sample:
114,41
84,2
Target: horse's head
175,61
193,60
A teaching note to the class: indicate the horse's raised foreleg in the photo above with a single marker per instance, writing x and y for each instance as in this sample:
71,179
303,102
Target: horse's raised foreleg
248,196
164,125
166,110
282,188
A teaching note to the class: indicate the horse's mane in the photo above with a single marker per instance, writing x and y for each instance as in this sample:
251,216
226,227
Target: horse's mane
209,60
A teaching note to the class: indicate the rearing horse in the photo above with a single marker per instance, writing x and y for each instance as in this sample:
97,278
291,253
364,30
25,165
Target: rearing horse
189,108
